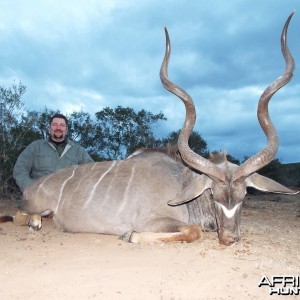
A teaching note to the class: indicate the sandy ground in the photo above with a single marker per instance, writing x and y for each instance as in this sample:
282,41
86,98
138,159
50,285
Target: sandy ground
56,265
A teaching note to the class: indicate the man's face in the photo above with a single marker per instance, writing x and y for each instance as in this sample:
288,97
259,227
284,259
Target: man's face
58,129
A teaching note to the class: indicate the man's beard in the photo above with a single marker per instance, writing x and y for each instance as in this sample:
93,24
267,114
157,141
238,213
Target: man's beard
58,135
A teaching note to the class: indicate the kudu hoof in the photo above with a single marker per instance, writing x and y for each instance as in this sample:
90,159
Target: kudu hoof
35,222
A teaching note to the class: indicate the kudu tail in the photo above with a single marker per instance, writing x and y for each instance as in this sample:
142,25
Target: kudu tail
20,218
6,218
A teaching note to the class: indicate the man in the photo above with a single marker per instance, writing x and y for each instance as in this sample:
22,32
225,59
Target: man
43,157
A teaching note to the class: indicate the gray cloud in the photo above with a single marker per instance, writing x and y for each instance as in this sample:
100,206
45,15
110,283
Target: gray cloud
94,54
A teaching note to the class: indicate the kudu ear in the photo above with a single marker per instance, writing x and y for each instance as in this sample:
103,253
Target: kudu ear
266,184
193,190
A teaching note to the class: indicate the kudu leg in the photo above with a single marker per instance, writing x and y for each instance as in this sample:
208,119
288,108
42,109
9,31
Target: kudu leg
34,221
179,233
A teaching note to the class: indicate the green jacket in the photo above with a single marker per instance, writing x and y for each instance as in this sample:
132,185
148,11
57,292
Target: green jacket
41,158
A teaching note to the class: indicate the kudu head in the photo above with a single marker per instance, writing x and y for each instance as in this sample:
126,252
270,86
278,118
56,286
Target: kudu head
227,182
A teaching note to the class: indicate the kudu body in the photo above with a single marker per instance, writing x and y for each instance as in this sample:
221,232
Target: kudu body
153,197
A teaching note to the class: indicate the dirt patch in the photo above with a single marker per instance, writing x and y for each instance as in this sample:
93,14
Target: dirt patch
49,264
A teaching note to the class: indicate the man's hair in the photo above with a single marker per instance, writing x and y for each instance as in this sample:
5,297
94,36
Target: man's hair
60,116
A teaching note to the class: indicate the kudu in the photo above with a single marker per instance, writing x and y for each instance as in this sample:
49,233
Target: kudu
152,196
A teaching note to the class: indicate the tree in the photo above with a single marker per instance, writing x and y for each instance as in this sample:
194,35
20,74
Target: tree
196,142
83,130
15,127
41,121
272,170
122,130
233,159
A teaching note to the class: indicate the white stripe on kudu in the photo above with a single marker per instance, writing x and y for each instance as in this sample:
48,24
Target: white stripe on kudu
41,186
62,188
96,184
128,187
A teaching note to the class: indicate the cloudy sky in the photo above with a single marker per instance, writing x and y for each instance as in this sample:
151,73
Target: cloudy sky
74,54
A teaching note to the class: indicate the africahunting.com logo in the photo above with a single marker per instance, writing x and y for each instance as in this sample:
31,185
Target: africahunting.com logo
284,285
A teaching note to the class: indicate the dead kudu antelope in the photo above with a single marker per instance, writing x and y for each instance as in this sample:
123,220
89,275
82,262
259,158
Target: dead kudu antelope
156,196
